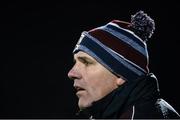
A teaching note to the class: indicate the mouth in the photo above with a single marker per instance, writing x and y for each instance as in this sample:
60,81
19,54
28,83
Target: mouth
79,89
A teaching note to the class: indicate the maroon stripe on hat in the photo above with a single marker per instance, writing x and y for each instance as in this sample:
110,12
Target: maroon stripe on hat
120,47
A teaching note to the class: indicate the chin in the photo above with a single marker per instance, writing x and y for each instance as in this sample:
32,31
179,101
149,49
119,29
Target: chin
84,104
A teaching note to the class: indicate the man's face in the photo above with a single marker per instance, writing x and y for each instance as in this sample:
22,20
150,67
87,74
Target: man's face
91,80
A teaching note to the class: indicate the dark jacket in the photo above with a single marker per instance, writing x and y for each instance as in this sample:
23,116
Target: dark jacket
134,99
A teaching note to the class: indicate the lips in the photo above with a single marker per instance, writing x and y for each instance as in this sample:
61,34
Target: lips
79,88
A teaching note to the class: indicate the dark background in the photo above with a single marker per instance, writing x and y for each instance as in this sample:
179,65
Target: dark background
37,39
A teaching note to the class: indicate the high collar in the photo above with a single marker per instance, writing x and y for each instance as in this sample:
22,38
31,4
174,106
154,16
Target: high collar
116,102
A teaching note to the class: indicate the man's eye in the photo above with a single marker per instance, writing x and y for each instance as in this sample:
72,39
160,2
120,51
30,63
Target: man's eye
86,62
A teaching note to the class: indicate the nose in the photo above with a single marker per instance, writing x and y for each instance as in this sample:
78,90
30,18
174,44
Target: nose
73,73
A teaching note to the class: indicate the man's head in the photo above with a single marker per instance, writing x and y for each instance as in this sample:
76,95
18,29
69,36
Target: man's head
91,80
107,54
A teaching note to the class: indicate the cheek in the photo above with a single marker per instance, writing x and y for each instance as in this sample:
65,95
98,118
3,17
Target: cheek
95,87
92,85
100,84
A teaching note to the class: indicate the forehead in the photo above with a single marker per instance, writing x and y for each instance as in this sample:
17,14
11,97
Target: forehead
83,54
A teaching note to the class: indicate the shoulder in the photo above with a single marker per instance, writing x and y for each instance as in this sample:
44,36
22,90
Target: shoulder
150,110
166,109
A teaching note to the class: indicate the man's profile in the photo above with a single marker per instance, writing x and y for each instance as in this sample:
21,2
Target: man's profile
111,73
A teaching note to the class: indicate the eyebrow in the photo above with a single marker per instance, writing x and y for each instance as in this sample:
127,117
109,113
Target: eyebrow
84,58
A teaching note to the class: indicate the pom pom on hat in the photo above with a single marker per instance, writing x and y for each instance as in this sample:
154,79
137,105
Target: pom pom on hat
142,25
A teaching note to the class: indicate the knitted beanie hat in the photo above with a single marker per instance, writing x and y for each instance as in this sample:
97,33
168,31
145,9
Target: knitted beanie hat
120,46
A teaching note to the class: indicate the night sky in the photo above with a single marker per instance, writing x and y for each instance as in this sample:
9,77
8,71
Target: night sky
37,39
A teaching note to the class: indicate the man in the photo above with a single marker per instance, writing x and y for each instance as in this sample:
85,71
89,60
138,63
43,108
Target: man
111,72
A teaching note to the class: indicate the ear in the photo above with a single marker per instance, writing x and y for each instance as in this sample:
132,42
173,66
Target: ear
120,81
